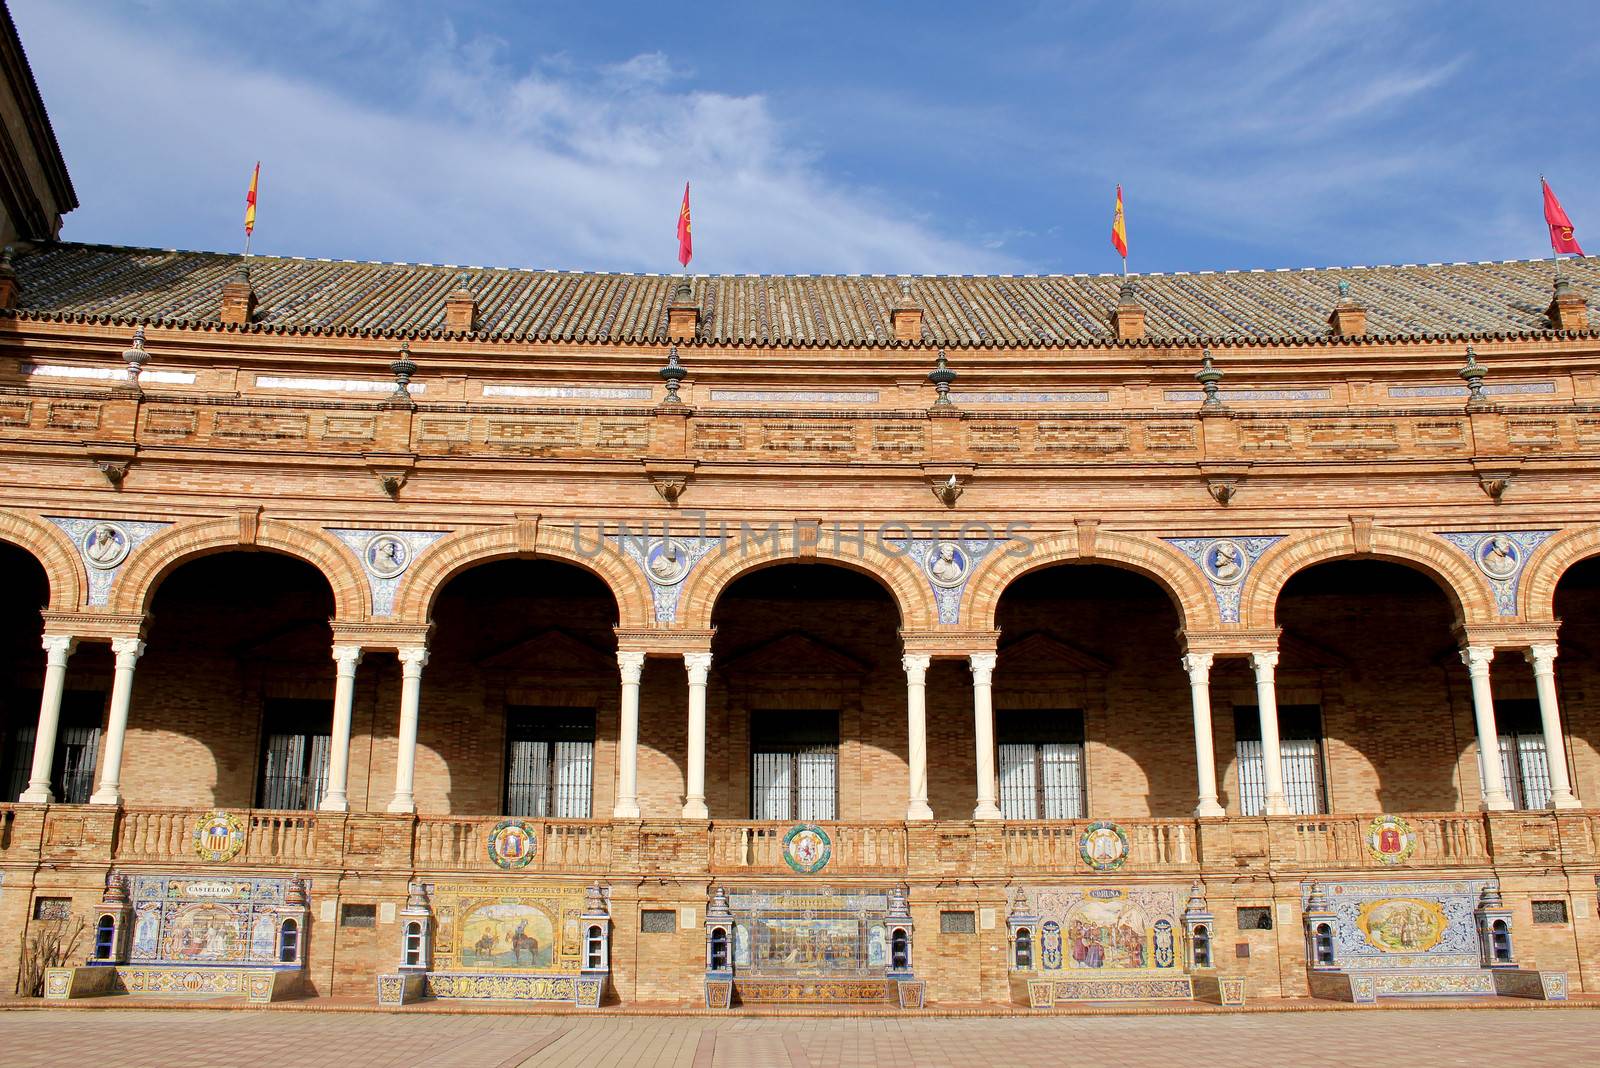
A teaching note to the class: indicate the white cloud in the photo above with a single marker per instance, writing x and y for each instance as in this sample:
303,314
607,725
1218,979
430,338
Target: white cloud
489,162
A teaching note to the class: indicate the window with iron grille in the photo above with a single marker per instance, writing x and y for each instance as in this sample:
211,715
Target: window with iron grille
658,921
77,743
52,908
549,761
957,923
1300,746
1549,912
358,916
1524,763
1041,764
794,765
296,738
1255,918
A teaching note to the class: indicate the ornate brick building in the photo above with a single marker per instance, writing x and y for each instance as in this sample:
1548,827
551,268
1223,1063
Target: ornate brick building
991,638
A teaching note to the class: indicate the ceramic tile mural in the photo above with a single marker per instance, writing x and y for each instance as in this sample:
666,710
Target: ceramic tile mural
1404,924
529,929
212,921
810,933
1105,929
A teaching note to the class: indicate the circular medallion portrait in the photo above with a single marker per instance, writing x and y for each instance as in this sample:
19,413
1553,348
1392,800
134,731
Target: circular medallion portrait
948,564
105,545
667,561
512,844
386,555
1225,562
1498,557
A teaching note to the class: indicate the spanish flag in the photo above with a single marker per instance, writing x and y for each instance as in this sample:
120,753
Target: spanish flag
250,202
1119,230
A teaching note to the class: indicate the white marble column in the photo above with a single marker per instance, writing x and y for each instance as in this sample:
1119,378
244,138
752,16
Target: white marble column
626,807
1198,665
1266,665
128,651
57,648
412,660
336,798
698,666
1542,658
983,733
916,667
1477,658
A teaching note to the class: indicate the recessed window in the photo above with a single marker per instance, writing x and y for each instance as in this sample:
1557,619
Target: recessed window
1549,912
658,921
1255,918
297,737
1300,747
794,765
957,923
77,742
1041,764
358,916
52,908
549,761
1524,763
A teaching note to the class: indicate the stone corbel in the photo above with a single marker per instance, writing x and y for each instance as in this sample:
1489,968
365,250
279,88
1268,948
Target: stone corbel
391,469
1222,480
670,478
1361,534
1495,474
112,458
948,481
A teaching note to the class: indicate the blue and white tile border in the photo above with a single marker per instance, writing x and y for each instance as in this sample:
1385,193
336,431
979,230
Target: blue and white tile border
1226,562
1502,556
666,581
947,565
102,568
386,555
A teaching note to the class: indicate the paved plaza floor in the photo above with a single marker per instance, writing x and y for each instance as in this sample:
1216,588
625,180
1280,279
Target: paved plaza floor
232,1039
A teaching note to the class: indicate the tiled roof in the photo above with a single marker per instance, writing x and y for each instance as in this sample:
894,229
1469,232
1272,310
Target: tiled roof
112,284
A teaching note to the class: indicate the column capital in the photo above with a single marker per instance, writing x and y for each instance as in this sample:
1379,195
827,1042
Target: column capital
348,657
630,662
57,648
127,648
982,665
1542,655
1198,665
916,666
1264,662
698,665
1477,658
413,658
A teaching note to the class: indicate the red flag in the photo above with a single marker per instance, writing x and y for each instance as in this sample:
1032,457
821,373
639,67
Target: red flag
250,201
1561,238
685,245
1119,229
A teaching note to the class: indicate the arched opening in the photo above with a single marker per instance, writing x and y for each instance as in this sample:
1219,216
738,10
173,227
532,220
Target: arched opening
1577,672
1500,941
105,938
1092,709
235,686
900,950
1200,945
594,956
83,704
1322,947
519,697
1022,951
1369,682
289,942
807,697
717,952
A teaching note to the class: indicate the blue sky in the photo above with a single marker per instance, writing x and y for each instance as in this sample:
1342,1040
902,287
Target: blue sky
936,137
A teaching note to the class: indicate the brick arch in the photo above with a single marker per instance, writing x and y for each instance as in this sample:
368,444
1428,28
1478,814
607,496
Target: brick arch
898,575
1175,573
451,555
1536,601
1468,590
49,544
151,562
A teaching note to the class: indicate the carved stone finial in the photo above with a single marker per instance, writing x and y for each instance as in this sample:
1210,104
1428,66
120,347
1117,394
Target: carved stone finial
295,893
1472,374
941,376
404,367
672,374
1344,290
116,892
1490,897
416,897
135,356
594,901
1208,377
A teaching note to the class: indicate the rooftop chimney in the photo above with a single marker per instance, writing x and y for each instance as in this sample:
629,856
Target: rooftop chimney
460,309
1568,310
683,314
1349,318
1127,318
9,286
238,298
906,315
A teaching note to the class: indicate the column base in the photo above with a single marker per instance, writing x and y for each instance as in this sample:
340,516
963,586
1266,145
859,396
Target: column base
403,806
1499,804
628,810
334,804
695,809
1561,803
1209,810
41,795
112,796
986,810
919,810
1279,807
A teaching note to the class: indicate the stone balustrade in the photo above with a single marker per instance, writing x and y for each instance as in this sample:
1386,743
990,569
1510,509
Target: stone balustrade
309,841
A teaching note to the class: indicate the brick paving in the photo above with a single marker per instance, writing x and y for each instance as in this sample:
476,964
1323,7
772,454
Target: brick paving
233,1039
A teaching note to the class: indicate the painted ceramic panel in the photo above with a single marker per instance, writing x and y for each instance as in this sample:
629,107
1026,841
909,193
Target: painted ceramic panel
205,920
483,928
1101,929
1407,924
811,934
